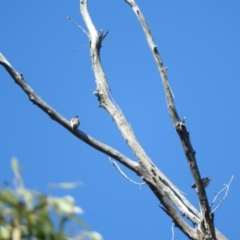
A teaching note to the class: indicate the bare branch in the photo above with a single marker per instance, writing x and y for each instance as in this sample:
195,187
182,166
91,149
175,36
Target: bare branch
179,125
72,21
102,91
123,174
170,196
65,123
136,167
75,50
162,185
227,186
173,225
53,114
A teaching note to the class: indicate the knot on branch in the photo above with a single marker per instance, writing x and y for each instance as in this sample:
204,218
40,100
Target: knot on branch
100,96
153,172
180,126
31,97
101,36
21,76
155,50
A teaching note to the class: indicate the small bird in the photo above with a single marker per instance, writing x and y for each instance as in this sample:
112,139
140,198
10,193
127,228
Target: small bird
205,182
75,122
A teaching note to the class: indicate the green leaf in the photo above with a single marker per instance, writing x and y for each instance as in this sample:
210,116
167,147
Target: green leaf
7,197
15,168
93,235
27,196
5,232
65,205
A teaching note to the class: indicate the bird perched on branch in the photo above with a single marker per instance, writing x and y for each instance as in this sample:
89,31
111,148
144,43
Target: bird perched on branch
205,182
75,122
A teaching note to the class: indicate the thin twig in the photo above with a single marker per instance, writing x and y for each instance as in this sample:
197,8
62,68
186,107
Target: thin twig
123,174
75,50
173,225
227,186
72,21
103,45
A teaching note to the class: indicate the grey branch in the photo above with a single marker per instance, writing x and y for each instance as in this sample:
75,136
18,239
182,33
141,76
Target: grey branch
226,189
161,186
174,203
53,114
123,174
208,219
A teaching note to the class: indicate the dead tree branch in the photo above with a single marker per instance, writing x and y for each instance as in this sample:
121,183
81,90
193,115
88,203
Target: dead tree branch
226,189
54,115
171,198
160,185
208,218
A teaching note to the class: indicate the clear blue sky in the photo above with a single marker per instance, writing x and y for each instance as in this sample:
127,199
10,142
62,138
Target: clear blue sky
199,43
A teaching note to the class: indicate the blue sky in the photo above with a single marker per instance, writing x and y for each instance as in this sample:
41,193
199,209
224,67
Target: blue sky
199,43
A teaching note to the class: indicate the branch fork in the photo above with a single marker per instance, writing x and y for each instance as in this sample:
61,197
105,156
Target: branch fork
169,195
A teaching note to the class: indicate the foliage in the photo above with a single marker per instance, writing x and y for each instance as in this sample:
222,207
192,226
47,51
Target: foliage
28,214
